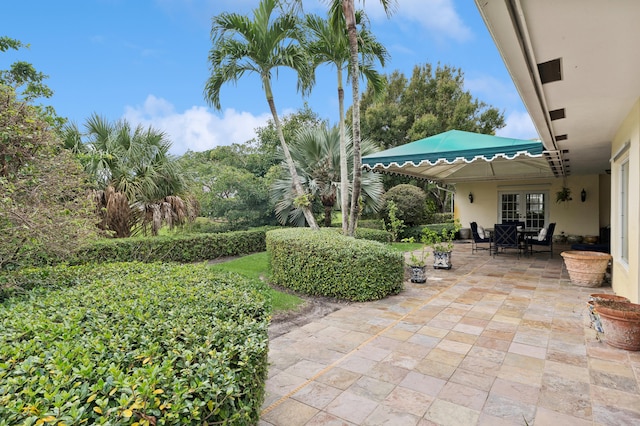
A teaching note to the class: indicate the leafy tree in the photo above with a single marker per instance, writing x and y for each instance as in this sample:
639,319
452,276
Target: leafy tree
329,45
316,152
139,184
44,213
228,188
431,102
342,14
22,76
409,201
260,45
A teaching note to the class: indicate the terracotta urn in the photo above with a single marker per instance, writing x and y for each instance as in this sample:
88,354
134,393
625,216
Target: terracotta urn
586,268
621,323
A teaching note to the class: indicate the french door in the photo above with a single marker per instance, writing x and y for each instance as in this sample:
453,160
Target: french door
530,207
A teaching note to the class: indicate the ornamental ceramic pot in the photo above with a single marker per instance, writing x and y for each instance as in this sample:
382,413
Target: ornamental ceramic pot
586,268
418,274
441,260
596,324
621,323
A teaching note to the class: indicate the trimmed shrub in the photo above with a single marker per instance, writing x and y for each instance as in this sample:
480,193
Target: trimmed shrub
416,231
326,263
410,201
371,224
131,342
373,234
178,248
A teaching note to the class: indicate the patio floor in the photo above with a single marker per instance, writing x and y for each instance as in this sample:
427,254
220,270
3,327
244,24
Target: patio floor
493,341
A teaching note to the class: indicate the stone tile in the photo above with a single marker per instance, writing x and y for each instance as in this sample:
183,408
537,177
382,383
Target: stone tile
466,396
547,417
445,357
491,343
284,383
385,415
373,353
427,385
566,396
607,397
351,407
326,419
527,394
357,364
296,413
508,409
339,378
408,400
387,372
435,369
528,350
473,379
461,337
613,381
317,395
452,346
373,389
306,369
449,414
614,416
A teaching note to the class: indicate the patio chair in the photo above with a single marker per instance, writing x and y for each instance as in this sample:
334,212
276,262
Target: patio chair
477,239
506,237
547,241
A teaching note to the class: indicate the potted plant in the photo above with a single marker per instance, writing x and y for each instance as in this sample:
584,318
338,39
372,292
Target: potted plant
620,322
417,262
586,268
441,244
563,195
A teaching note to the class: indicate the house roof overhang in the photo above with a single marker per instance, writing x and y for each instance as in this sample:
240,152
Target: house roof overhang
575,66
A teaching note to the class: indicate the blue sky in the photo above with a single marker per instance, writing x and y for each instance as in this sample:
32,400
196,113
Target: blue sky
146,61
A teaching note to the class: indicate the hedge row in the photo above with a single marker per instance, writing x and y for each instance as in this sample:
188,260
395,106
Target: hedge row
416,231
133,343
326,263
179,248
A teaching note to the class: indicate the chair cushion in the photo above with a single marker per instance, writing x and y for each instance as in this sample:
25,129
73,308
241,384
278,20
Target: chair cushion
481,232
542,234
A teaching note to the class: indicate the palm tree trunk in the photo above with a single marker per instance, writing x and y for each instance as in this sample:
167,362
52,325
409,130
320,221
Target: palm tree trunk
348,9
306,210
344,172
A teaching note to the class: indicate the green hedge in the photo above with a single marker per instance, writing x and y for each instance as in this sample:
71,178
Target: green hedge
380,236
129,342
326,263
178,248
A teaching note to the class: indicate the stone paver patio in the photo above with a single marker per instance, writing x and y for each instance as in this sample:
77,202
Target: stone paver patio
493,341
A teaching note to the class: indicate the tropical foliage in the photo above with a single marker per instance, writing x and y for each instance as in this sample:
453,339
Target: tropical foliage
316,152
261,45
43,213
139,185
329,45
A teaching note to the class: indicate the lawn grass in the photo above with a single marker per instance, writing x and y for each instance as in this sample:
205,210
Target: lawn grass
256,266
404,247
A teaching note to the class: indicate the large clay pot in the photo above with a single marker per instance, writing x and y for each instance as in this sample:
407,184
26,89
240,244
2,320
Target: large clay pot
621,323
586,268
596,324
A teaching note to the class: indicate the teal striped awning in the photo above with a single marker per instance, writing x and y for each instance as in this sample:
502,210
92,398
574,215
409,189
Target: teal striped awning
456,156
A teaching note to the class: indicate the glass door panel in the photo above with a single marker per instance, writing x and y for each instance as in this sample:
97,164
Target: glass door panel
527,206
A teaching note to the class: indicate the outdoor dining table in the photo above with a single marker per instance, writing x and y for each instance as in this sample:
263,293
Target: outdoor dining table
525,233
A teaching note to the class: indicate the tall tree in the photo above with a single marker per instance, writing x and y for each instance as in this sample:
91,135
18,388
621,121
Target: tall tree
316,152
343,14
431,102
329,45
261,45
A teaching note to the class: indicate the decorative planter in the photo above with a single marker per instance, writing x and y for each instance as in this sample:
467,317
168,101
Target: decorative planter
621,323
596,324
586,268
418,274
560,239
465,233
590,239
574,239
441,260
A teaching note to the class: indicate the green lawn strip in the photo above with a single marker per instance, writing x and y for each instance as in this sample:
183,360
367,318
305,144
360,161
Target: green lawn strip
256,266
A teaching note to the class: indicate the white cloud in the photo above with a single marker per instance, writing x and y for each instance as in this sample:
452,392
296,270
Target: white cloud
437,16
196,129
518,126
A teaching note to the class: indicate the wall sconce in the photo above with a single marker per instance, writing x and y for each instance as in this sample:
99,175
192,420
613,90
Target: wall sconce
471,198
583,195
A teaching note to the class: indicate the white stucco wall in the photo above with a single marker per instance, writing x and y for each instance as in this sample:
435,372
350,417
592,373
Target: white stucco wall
626,272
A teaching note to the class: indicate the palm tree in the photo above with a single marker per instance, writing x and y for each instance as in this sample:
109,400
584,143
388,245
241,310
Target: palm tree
331,46
261,45
138,183
342,14
316,151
